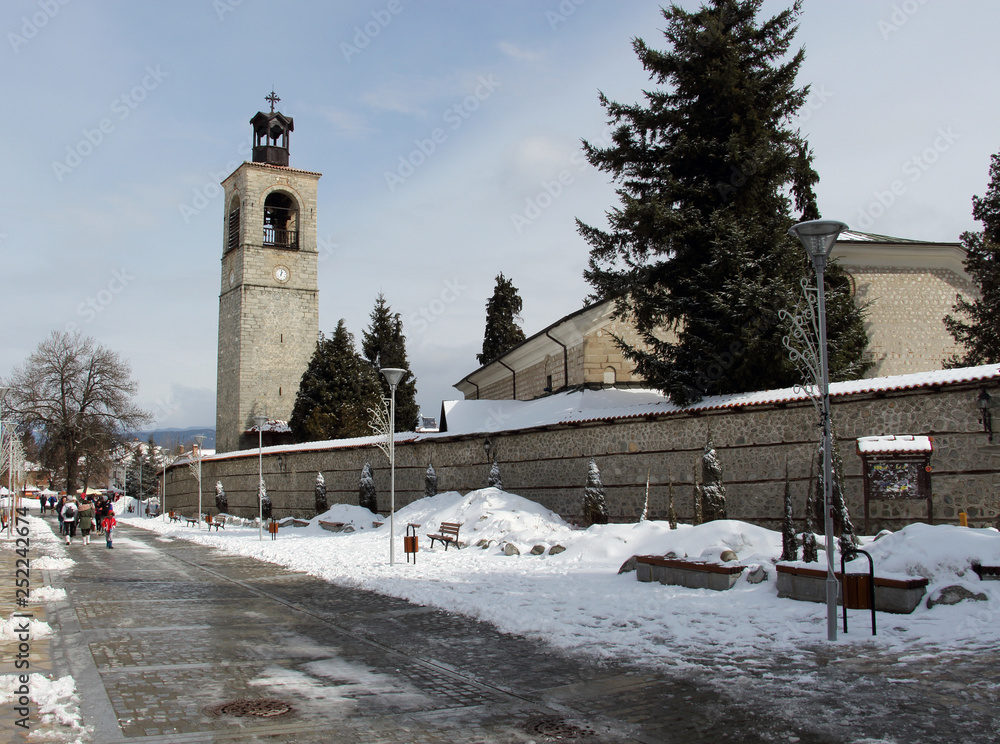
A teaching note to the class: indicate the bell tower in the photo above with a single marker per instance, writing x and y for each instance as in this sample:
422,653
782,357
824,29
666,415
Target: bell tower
269,298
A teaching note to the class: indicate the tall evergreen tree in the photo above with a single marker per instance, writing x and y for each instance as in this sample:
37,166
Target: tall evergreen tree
384,345
367,497
336,391
503,311
979,331
709,171
712,490
595,506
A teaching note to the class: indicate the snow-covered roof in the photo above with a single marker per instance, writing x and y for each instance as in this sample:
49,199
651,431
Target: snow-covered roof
892,443
483,416
471,417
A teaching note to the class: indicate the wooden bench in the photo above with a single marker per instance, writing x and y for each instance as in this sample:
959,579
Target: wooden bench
191,521
216,522
447,534
175,517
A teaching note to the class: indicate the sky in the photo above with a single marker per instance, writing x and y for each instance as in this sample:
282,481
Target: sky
448,135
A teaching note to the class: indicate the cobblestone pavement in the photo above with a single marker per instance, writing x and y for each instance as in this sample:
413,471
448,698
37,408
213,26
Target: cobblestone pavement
161,635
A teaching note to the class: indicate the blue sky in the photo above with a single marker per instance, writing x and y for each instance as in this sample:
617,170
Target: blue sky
122,117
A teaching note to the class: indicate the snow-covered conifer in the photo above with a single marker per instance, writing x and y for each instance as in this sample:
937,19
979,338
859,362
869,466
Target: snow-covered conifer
789,543
320,488
595,506
430,482
366,490
221,500
495,481
713,492
265,501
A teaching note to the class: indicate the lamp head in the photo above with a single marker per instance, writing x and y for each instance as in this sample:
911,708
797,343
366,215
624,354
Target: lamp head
817,236
392,375
260,419
199,439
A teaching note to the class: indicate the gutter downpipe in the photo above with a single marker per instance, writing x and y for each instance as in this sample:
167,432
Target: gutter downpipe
565,359
513,375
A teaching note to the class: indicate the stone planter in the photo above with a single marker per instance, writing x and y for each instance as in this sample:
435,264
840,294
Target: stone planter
682,572
891,595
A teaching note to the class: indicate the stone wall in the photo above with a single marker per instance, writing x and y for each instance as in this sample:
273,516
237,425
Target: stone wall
550,465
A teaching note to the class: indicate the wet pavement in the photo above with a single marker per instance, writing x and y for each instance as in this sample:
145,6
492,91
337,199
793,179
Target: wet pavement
169,641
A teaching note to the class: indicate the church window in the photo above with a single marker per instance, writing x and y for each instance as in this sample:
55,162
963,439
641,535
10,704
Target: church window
609,376
233,236
281,221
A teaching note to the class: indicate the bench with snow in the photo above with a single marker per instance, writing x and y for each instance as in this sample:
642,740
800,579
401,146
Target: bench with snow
891,595
216,522
175,517
447,533
687,573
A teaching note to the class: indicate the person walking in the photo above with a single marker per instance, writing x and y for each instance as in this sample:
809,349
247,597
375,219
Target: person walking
70,512
109,525
85,518
59,508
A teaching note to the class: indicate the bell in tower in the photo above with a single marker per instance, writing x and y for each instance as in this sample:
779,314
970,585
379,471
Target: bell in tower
270,135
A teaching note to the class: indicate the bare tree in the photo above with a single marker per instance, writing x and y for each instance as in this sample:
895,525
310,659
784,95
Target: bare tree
77,397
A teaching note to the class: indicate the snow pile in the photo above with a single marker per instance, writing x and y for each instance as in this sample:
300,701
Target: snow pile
11,628
52,563
576,599
58,707
47,594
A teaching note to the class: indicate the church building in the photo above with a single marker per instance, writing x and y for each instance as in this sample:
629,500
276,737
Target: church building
269,293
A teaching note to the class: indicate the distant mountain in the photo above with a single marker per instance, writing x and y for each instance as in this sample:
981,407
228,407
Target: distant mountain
173,438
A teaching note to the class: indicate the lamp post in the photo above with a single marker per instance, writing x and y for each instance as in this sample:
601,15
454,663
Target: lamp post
163,493
392,375
138,506
199,439
818,237
3,394
260,420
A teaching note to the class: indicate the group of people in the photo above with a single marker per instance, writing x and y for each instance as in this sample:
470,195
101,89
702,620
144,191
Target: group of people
89,515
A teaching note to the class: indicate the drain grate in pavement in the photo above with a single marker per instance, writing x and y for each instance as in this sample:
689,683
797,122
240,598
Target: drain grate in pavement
259,708
556,728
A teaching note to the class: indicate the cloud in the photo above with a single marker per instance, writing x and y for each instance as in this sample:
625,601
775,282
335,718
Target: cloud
519,53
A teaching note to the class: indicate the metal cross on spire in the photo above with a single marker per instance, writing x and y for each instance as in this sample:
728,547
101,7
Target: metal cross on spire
273,99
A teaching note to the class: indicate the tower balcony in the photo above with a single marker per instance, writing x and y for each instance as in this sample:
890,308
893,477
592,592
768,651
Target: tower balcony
275,237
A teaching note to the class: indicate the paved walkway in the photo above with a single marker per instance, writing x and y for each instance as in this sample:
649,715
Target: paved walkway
172,642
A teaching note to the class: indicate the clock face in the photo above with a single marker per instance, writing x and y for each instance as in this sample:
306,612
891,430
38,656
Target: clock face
281,273
232,278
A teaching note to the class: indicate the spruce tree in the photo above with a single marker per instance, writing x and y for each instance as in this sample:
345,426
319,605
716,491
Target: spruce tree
320,493
336,391
221,500
810,550
710,177
430,482
671,511
503,331
595,506
266,507
789,543
367,497
495,480
713,491
979,331
384,345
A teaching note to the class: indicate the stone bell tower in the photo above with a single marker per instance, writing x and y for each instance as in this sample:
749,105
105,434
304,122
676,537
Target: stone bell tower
269,298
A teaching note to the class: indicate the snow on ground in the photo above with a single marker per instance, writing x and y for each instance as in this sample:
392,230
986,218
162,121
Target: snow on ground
58,707
577,600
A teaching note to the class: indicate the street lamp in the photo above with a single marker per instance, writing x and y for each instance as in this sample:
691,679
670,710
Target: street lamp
163,493
392,375
3,394
260,420
199,439
818,237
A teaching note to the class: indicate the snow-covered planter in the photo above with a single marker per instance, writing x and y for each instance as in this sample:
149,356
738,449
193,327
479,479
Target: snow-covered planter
688,573
898,595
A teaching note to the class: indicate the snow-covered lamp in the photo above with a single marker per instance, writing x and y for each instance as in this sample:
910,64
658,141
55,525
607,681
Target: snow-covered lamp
392,375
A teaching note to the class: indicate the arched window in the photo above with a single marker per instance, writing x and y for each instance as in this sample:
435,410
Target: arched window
281,221
610,376
233,234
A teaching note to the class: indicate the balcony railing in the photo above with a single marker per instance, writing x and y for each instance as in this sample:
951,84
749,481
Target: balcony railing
278,238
